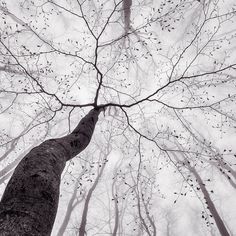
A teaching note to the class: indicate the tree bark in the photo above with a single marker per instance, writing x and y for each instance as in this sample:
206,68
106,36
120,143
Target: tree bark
29,203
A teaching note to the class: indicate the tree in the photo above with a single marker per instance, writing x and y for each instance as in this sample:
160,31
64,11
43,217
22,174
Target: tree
210,204
82,228
163,75
70,207
29,203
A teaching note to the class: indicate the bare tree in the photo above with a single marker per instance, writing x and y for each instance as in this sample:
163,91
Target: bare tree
29,203
74,201
82,228
127,13
162,70
211,206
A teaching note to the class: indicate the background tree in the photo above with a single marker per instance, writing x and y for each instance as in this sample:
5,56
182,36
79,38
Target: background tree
164,74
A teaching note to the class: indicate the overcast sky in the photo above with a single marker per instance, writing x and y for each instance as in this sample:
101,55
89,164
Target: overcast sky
167,69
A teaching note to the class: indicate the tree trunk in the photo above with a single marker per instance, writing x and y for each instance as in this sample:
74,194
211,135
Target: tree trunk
82,228
211,206
116,223
219,222
127,12
29,203
70,207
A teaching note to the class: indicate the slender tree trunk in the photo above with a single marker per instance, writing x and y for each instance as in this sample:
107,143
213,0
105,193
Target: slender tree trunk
226,171
211,206
127,12
69,210
116,224
83,223
29,203
152,222
71,205
219,222
140,214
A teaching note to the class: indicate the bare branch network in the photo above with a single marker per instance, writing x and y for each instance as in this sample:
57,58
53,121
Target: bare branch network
162,73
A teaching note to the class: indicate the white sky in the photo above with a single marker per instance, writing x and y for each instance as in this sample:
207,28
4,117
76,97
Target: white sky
133,67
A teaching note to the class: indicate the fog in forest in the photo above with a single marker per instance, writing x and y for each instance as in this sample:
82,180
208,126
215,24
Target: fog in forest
154,86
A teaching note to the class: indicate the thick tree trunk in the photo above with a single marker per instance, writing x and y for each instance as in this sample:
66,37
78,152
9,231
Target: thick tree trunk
29,203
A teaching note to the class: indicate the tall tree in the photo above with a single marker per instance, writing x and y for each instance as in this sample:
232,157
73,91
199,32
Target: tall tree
164,70
29,203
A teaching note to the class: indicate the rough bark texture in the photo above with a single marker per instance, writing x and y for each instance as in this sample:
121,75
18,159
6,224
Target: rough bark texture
29,203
